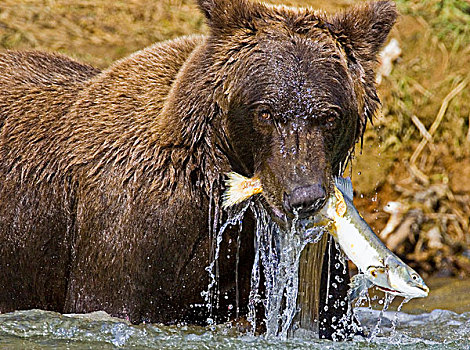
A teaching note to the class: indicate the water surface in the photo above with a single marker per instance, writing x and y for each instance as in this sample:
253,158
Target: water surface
36,329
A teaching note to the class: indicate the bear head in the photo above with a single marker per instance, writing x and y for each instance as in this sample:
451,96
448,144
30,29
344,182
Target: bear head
295,88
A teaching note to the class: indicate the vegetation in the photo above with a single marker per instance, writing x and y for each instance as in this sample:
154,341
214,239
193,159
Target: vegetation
423,137
424,98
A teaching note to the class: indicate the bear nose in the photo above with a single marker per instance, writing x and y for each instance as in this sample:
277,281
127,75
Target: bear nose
306,200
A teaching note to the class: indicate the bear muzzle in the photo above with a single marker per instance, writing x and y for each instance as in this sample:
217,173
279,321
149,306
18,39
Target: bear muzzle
305,201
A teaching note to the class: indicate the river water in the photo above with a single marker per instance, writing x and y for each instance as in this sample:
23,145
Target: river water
36,329
423,324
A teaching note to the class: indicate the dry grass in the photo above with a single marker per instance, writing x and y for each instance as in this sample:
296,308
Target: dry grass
423,158
94,31
435,39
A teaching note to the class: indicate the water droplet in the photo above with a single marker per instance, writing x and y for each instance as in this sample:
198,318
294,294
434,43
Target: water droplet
388,300
234,218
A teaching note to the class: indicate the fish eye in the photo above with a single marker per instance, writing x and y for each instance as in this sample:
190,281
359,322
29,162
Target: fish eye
414,277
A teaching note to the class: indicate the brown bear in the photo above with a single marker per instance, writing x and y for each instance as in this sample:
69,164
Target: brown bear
112,181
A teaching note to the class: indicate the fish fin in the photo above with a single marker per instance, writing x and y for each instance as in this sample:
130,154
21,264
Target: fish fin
344,184
359,284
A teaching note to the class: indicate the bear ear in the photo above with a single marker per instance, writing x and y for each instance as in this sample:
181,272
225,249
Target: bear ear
211,8
364,29
224,15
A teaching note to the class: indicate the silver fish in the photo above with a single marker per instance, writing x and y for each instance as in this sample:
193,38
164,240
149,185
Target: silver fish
376,263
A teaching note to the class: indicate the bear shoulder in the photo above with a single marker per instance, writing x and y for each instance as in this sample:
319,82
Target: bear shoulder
114,120
142,79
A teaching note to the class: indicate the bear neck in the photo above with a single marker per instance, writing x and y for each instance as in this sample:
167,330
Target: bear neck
190,119
188,109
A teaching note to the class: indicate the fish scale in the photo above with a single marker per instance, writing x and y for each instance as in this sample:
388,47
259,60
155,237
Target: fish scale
376,263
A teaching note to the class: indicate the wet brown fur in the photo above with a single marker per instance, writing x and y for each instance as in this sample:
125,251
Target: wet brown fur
110,179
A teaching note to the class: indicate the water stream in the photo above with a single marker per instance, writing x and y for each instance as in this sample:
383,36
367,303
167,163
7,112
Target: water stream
277,260
210,295
386,303
276,263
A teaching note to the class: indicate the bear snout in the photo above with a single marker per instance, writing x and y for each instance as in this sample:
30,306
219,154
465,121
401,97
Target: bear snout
305,200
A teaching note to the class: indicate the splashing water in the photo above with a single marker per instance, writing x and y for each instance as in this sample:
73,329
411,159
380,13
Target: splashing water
276,262
387,301
348,323
279,252
36,329
237,262
235,217
395,318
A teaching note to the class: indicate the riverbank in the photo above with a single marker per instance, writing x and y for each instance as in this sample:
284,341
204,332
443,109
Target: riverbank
446,293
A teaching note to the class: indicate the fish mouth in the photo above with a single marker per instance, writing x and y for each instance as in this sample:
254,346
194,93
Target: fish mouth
425,289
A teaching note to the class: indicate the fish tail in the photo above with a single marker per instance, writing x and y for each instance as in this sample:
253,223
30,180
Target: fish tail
239,188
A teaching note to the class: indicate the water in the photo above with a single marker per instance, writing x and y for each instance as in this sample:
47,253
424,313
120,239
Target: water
211,294
36,329
277,256
388,300
395,318
276,262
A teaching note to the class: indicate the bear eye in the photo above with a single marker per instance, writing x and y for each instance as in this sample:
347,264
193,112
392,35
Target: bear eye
265,115
331,120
